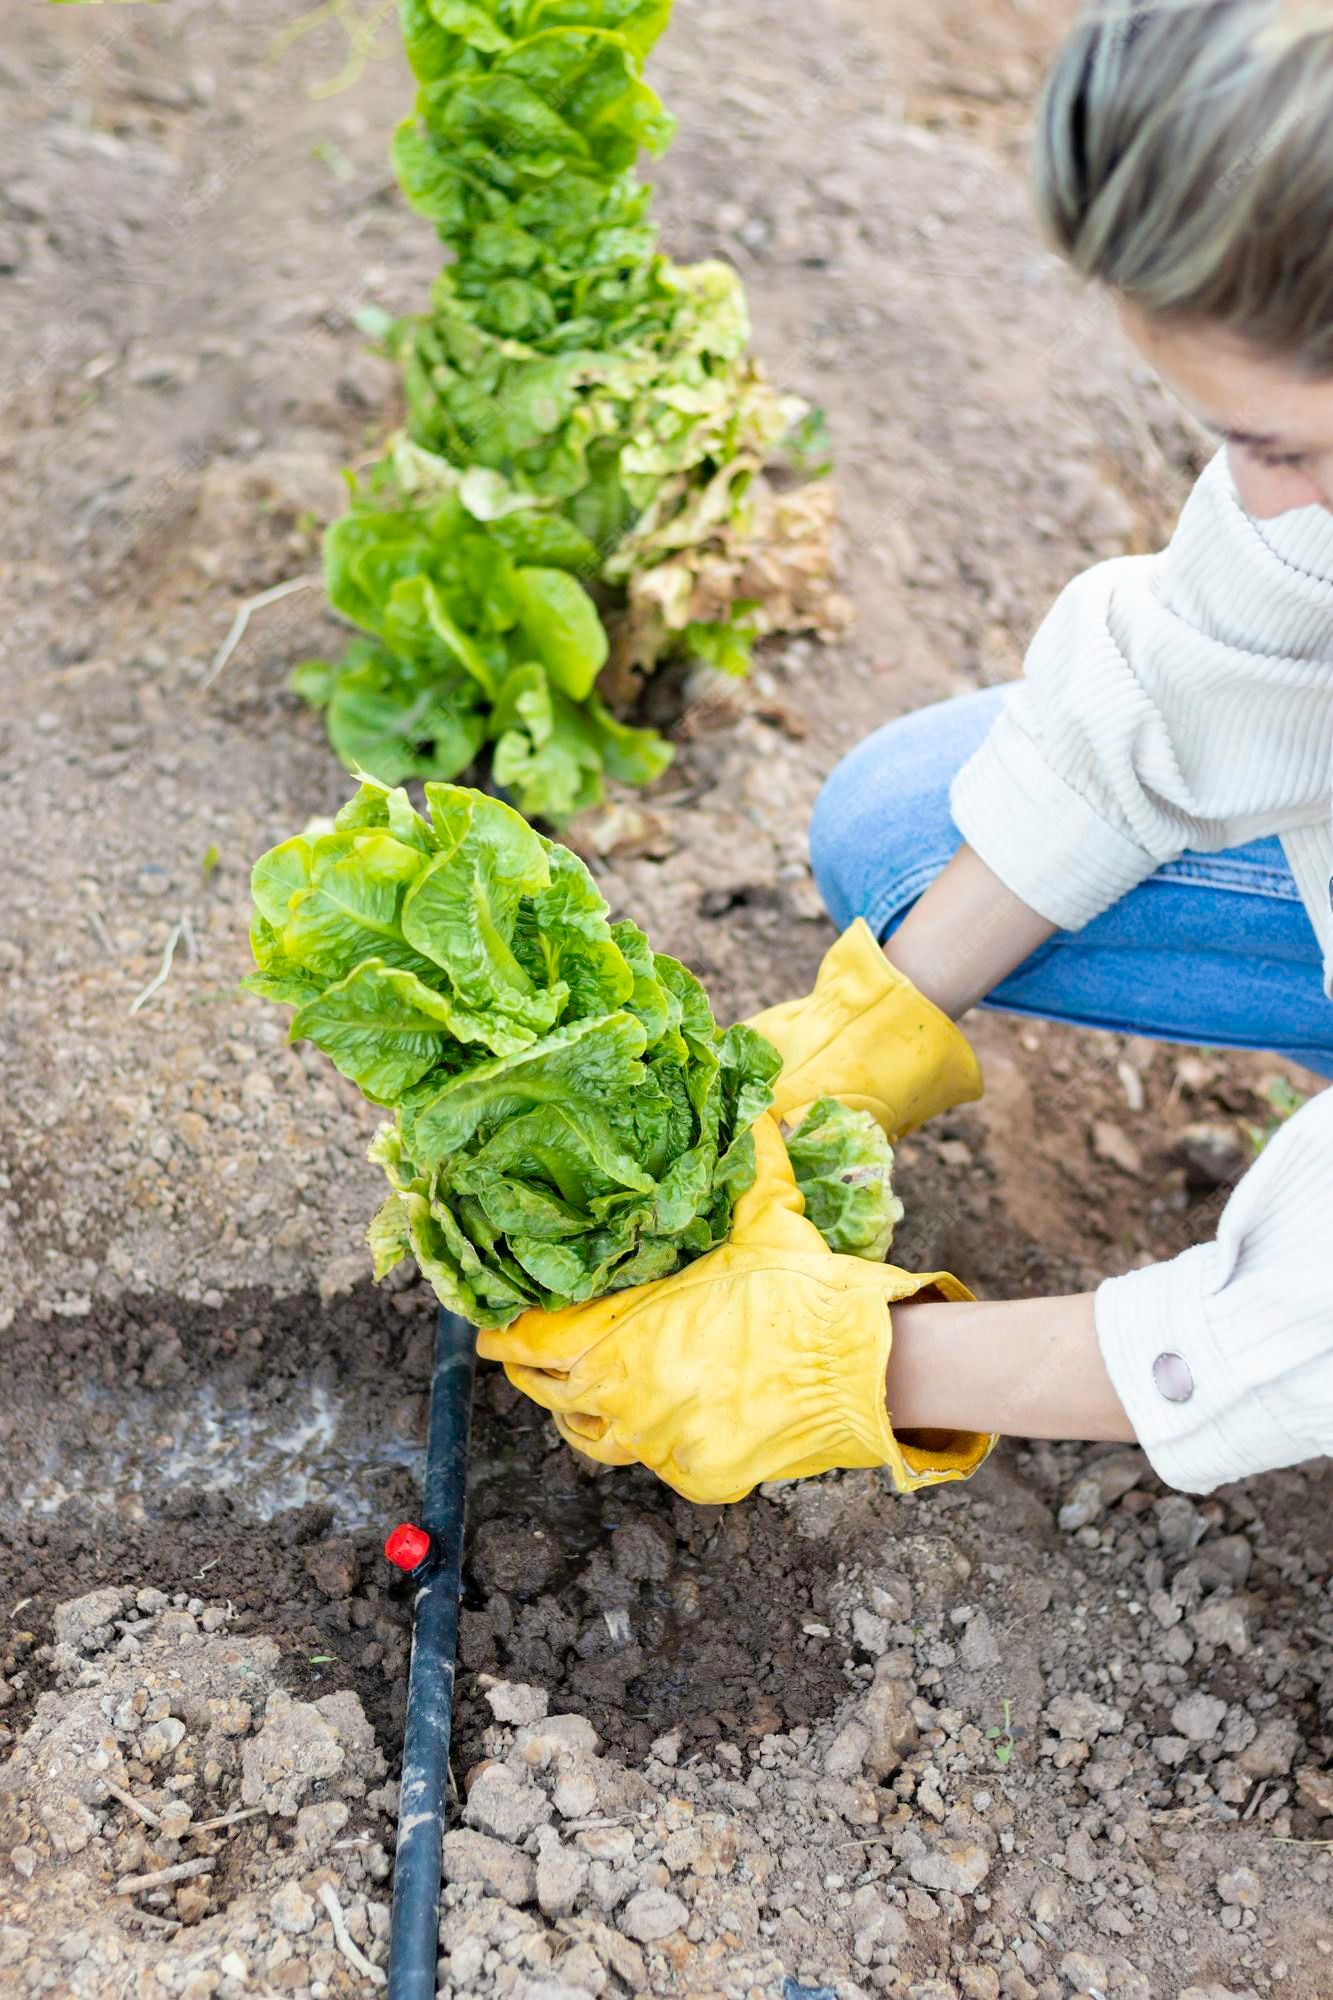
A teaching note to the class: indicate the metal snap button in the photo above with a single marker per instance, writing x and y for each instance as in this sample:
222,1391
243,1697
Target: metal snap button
1172,1377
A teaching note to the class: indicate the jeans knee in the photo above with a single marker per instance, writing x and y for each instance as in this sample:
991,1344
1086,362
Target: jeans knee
881,828
833,840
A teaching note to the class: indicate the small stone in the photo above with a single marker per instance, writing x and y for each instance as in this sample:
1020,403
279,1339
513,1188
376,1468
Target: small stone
962,1866
606,1843
1082,1971
1082,1507
1199,1716
1213,1155
87,1623
574,1795
1180,1525
1273,1750
978,1646
332,1566
517,1702
160,1739
505,1805
1316,1788
562,1875
15,1944
1222,1622
1080,1718
318,1826
558,1736
870,1632
192,1901
292,1910
847,1752
474,1857
1080,1857
1240,1886
891,1596
296,1747
1226,1561
1049,1903
682,1849
653,1914
1116,1148
892,1728
231,1717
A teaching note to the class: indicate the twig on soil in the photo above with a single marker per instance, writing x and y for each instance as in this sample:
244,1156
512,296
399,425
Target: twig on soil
136,1806
159,978
241,621
228,1819
100,932
328,1896
168,1924
162,1878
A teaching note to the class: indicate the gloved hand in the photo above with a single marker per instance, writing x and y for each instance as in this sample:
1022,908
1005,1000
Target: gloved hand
765,1359
866,1035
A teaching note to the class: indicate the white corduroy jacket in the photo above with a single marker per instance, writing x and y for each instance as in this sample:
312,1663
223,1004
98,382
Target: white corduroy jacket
1172,702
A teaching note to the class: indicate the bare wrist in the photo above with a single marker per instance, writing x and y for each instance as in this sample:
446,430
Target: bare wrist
967,932
1024,1367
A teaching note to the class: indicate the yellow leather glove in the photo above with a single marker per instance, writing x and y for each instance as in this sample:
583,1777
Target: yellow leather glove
765,1359
866,1035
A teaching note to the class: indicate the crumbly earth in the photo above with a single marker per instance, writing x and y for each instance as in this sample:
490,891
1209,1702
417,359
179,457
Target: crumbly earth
1056,1733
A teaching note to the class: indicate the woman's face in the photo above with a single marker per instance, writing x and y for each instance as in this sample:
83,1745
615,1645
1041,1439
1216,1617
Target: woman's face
1277,425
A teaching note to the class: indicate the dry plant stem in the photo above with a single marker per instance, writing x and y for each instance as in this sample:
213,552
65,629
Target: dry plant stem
128,1800
328,1896
160,977
162,1878
245,612
1024,1367
228,1819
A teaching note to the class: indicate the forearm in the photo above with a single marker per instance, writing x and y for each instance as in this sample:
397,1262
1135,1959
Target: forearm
1024,1367
965,935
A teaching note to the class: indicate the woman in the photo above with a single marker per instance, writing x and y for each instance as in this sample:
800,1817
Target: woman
1138,835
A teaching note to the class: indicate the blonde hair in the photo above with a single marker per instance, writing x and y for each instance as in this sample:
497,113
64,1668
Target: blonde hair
1184,156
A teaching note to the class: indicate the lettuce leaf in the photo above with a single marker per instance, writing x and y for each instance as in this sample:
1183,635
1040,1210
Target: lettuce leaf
567,1116
581,413
844,1166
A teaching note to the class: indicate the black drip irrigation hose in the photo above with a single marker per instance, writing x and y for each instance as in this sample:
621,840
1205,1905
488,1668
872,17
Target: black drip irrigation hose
432,1556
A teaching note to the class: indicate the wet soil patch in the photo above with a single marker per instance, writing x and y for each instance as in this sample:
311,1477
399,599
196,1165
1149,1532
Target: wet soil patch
258,1452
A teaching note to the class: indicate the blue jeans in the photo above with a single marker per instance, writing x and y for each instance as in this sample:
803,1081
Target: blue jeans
1214,949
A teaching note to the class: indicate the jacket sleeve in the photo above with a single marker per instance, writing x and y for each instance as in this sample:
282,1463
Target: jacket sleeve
1223,1357
1168,702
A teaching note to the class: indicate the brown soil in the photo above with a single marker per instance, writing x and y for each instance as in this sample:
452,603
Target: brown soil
206,1398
